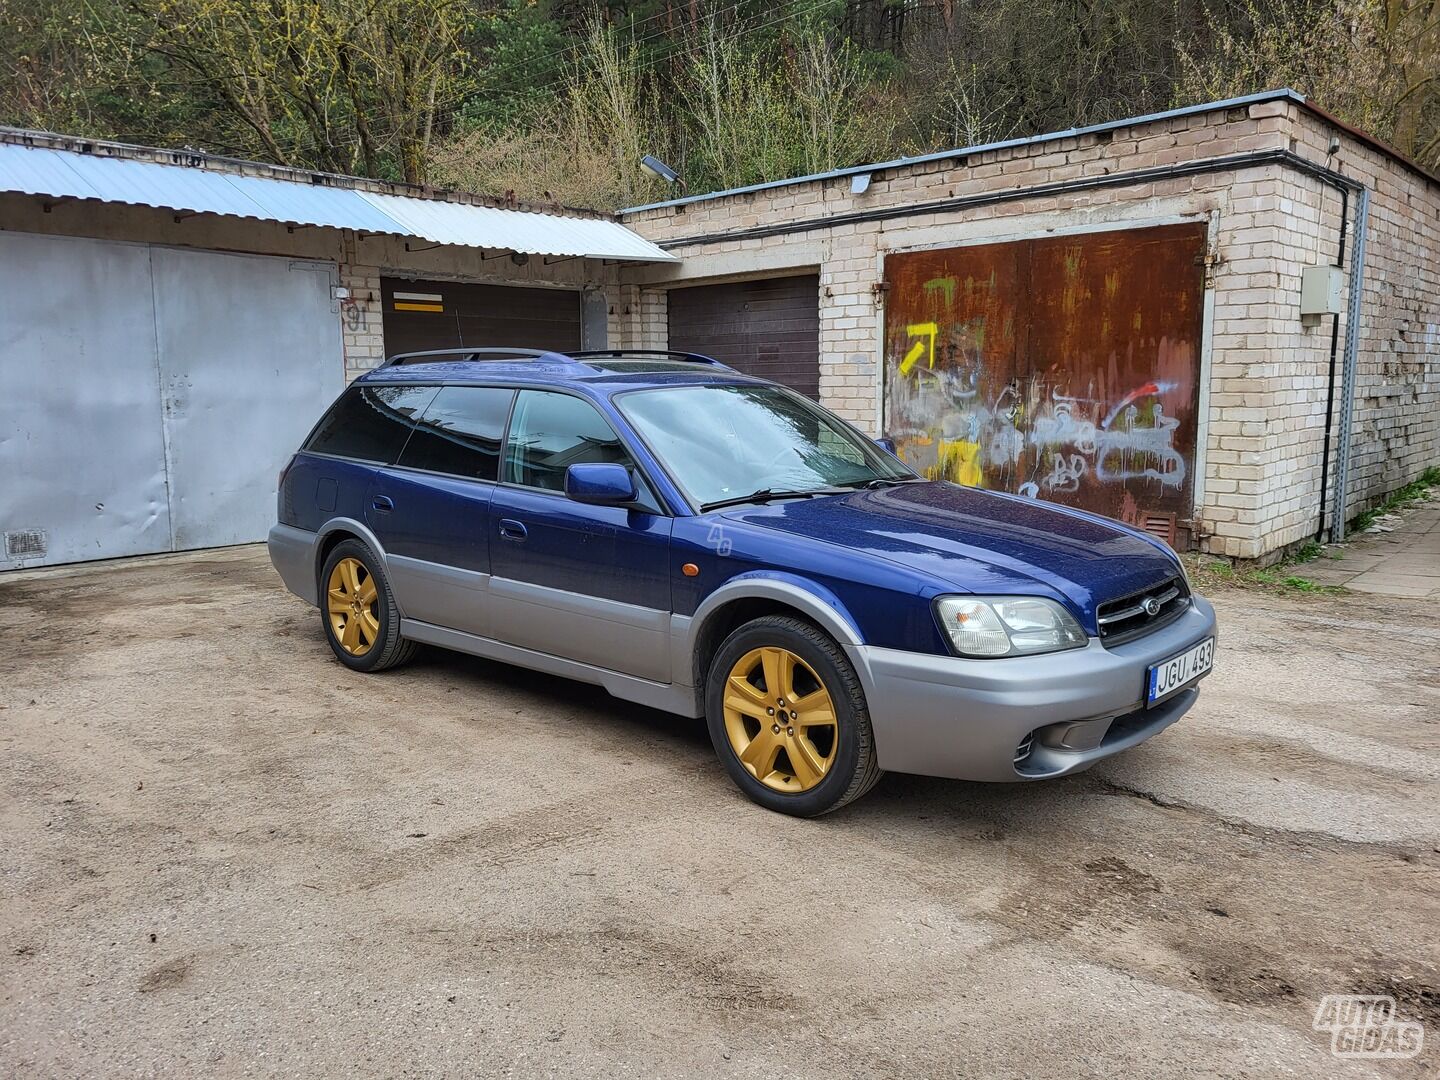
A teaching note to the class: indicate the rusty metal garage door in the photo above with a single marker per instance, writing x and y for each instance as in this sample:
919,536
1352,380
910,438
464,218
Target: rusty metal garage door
1065,368
769,328
421,315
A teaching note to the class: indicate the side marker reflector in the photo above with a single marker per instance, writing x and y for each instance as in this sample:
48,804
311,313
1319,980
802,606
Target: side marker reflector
690,570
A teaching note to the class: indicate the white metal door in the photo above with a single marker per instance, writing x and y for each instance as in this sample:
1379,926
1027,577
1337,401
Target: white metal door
82,454
149,396
250,355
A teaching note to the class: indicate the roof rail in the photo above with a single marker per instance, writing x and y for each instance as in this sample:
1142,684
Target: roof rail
474,354
689,357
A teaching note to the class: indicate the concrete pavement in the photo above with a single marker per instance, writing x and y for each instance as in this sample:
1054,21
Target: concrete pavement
227,855
1402,559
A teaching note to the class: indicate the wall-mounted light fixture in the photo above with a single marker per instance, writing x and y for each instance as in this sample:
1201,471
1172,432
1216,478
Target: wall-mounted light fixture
658,169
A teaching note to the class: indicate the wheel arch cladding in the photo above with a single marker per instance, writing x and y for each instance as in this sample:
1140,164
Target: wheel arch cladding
751,596
337,532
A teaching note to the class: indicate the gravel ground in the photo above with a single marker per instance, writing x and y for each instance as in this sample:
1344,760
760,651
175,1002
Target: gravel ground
224,853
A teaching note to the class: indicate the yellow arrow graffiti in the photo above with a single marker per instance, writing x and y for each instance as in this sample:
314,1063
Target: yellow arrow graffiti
916,351
924,348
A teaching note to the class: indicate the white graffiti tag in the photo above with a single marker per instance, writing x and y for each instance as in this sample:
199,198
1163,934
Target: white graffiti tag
1143,453
1060,428
1065,473
1060,440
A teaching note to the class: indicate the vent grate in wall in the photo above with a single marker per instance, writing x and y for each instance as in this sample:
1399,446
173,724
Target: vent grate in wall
25,543
1161,526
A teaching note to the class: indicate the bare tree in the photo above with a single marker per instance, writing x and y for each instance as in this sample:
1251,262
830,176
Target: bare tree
344,85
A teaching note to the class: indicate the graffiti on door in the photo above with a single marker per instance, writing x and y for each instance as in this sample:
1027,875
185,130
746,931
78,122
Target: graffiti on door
1062,368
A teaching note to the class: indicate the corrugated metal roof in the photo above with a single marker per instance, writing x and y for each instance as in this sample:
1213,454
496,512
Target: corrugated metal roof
492,227
39,170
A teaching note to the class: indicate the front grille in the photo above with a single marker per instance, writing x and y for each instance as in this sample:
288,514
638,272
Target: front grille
1140,613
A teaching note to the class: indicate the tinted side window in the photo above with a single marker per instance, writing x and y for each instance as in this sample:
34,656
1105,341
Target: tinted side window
371,422
550,432
461,432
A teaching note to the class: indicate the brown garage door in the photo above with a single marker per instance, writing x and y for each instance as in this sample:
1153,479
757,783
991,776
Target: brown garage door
768,328
1065,368
421,315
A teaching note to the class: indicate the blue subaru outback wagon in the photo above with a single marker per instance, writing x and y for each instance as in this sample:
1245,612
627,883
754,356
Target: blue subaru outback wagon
715,545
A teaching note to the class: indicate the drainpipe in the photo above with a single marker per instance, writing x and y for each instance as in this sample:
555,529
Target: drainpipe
1324,499
1351,366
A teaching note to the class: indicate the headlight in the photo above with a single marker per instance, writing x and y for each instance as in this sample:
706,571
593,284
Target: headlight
1007,625
1184,574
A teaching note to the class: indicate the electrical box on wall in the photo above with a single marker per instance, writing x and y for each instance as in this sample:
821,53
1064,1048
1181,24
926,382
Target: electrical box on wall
1319,292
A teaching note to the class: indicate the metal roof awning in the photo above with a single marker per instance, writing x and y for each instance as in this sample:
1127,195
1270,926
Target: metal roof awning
69,174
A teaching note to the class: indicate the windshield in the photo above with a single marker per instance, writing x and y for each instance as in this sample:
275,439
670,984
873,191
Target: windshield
725,442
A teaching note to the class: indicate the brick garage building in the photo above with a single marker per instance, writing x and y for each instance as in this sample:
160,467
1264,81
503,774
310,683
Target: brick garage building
1110,316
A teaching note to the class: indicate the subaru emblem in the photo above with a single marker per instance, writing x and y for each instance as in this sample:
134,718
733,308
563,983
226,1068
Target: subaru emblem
1152,606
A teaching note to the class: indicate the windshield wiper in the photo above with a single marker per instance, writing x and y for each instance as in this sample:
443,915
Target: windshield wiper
884,482
765,495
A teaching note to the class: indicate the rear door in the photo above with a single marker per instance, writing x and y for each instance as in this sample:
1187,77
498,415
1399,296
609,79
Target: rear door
430,509
333,476
588,583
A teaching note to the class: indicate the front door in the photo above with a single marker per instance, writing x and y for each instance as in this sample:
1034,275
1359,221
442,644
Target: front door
587,583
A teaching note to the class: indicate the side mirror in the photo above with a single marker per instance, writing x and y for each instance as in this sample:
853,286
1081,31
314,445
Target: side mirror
600,484
888,445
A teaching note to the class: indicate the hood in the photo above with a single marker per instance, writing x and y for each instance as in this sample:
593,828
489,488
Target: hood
979,541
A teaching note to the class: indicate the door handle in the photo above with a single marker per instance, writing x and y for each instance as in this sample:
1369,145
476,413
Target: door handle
511,529
382,503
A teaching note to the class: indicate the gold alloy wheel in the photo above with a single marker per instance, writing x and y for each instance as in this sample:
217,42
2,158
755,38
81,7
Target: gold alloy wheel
353,603
780,720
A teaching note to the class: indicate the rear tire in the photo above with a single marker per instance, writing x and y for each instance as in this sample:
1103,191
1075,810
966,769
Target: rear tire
788,718
358,612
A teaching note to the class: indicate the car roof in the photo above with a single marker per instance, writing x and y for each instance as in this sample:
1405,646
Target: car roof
604,374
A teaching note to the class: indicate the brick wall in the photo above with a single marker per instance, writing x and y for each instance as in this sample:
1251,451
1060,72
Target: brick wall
1397,415
360,319
637,317
1262,452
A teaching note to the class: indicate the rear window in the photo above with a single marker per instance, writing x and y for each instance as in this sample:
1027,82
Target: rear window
460,433
371,423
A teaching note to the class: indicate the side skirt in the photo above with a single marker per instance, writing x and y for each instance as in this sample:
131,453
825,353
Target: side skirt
668,697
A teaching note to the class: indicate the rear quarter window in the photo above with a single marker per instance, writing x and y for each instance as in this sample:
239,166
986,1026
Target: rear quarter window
371,423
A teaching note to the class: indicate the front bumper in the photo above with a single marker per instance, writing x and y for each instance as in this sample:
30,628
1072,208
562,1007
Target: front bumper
947,716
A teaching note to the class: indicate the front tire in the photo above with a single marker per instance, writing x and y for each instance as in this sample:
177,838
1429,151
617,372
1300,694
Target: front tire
788,718
357,608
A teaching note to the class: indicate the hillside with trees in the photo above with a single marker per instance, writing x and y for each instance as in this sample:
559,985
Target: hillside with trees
551,99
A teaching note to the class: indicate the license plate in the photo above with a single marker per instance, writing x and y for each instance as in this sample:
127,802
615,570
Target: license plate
1170,676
